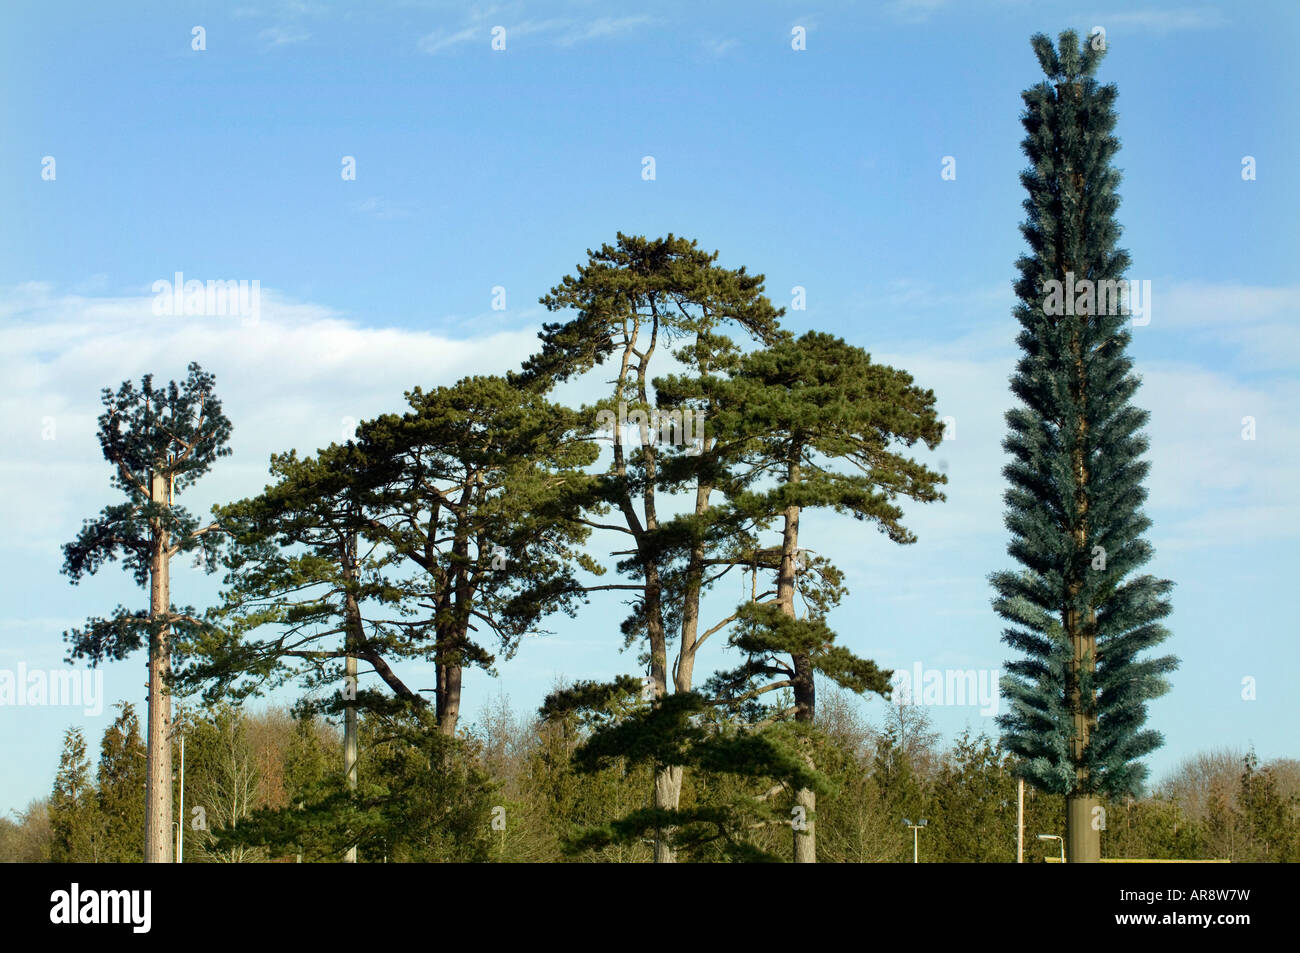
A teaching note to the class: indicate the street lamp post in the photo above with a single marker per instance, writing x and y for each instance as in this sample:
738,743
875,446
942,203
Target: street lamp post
1055,837
180,818
916,830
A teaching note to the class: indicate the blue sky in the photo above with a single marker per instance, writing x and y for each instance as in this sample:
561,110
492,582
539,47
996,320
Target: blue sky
479,168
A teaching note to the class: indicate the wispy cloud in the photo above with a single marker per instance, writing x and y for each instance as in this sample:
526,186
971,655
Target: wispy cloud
579,31
915,11
382,208
292,379
1256,324
442,39
276,36
1162,20
720,47
561,31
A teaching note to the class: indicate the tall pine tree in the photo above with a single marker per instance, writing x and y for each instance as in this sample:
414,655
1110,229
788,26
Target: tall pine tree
824,426
1079,615
636,299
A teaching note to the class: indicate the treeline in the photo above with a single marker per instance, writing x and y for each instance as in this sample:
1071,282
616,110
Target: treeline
268,786
444,534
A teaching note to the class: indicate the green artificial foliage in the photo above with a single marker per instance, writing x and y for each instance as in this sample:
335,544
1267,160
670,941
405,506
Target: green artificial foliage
1082,618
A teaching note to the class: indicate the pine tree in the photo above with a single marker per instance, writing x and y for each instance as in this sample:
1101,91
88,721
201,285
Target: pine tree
824,424
122,788
159,442
1079,616
307,763
304,593
635,300
468,490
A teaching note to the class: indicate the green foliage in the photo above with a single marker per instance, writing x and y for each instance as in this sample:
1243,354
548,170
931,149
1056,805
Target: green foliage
973,804
121,794
421,797
1076,473
222,782
170,435
75,823
1268,819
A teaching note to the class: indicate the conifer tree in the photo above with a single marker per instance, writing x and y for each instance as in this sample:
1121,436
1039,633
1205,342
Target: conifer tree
469,490
803,423
159,442
635,300
823,425
75,826
1080,616
121,788
305,592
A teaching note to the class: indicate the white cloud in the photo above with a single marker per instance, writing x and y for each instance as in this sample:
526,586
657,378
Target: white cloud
1165,20
382,208
1255,324
579,31
283,36
287,381
720,47
1208,487
563,31
442,39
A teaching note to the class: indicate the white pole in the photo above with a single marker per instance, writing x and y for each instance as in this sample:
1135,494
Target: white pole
180,823
1020,825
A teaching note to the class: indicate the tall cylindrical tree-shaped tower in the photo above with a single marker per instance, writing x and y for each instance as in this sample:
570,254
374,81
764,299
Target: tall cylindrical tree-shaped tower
1080,616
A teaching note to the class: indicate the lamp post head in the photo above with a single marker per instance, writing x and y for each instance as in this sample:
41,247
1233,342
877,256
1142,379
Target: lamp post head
907,822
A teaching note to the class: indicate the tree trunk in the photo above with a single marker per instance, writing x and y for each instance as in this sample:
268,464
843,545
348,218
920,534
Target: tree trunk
352,639
805,833
668,790
668,778
448,696
158,783
805,709
805,693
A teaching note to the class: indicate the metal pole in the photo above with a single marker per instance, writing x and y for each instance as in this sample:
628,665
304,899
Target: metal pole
180,823
916,833
1020,825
